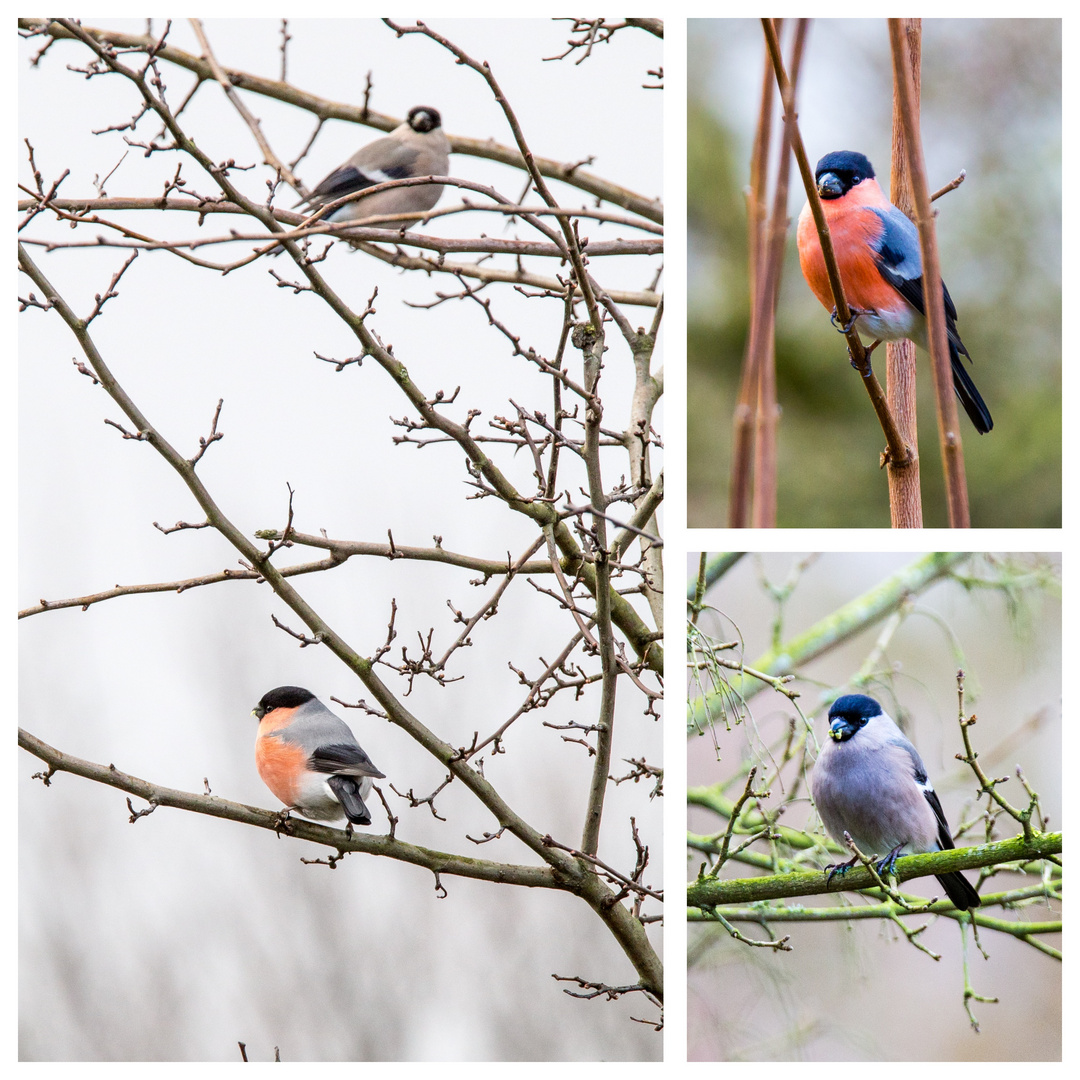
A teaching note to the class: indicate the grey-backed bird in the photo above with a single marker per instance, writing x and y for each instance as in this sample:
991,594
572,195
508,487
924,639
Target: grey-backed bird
310,759
870,782
417,147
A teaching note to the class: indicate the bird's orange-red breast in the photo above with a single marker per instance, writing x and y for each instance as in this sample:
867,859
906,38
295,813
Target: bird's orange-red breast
880,265
310,759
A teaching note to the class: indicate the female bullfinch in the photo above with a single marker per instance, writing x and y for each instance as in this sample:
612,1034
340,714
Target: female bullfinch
310,759
416,147
877,254
870,782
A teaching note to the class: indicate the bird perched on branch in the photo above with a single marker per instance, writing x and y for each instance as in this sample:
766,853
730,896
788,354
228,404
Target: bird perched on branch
877,254
310,759
417,147
870,782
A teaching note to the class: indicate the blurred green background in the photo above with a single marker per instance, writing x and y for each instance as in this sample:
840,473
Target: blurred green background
991,105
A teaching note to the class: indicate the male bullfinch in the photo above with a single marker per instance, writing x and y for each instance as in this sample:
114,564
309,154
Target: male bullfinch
417,147
310,759
870,782
877,254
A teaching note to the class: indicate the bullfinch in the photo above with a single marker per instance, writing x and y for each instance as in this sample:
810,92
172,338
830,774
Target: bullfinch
417,147
877,254
870,782
310,759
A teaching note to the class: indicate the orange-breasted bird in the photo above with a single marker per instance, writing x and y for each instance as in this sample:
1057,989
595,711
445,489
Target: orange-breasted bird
310,759
877,254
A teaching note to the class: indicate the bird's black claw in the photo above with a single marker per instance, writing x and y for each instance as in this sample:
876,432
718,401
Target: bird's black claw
838,868
848,325
887,866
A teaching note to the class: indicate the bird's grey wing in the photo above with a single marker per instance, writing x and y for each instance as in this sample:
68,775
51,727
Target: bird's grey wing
923,781
343,758
382,160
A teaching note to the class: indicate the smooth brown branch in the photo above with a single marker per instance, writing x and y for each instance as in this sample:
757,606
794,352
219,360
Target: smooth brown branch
591,990
591,342
76,211
767,292
486,838
952,185
213,437
952,450
99,184
214,806
905,484
304,640
345,549
179,527
101,300
898,450
743,419
138,436
286,37
757,412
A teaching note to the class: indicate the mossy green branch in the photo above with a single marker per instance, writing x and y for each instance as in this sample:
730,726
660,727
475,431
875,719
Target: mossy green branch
711,892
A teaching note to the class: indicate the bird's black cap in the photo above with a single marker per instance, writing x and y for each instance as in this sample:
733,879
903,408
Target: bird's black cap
855,706
282,697
846,163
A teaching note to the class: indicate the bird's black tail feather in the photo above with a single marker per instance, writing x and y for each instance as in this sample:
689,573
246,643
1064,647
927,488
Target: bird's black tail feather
347,790
969,397
958,889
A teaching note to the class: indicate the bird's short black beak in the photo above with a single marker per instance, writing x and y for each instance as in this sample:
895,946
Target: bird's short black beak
840,730
830,186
